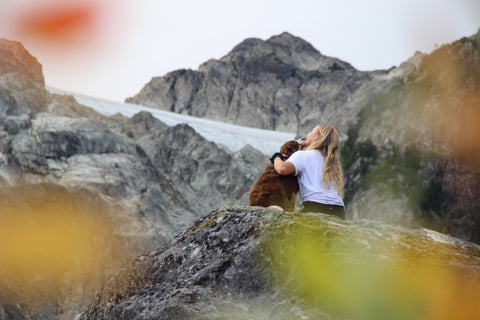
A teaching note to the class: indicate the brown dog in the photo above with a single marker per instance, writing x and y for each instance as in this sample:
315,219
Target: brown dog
273,189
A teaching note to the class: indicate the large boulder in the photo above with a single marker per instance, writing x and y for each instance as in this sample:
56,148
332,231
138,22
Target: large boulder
252,263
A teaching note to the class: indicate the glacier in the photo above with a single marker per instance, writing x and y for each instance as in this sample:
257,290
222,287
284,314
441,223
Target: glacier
234,137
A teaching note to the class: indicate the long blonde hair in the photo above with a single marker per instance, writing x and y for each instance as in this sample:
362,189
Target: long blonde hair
329,145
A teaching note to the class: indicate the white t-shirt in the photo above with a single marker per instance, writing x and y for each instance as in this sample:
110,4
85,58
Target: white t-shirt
309,170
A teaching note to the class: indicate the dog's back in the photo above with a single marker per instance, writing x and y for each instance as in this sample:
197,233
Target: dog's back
274,189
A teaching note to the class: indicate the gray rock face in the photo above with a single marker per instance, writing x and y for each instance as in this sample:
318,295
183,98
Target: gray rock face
159,173
155,173
249,263
413,149
280,84
192,163
67,106
52,138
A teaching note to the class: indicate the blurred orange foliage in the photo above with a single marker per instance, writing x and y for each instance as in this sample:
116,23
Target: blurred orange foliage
57,21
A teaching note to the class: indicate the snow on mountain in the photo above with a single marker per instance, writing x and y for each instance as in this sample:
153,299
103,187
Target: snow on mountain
234,137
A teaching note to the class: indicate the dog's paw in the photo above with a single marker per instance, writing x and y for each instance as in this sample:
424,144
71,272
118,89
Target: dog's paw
276,208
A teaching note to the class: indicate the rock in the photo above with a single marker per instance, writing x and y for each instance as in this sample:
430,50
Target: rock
67,106
55,137
155,173
418,130
22,87
250,263
14,124
141,124
84,153
192,163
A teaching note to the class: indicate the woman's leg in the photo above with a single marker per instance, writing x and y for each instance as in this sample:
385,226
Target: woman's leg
310,206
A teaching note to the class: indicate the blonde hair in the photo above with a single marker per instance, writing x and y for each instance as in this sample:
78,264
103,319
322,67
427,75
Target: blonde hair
329,145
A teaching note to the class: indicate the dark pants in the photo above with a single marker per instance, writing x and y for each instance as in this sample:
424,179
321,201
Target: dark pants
310,206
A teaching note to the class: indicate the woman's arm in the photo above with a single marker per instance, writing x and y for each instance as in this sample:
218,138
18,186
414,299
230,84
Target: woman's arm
283,168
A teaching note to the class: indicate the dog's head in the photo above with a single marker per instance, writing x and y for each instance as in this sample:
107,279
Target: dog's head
289,147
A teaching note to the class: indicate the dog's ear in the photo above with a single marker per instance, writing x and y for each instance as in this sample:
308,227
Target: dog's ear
289,148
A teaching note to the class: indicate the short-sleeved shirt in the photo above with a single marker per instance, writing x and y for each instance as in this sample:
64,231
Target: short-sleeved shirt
309,166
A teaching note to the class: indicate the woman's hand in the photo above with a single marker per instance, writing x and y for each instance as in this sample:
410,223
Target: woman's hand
283,168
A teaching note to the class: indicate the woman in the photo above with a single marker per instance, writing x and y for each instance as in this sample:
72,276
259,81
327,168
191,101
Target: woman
318,170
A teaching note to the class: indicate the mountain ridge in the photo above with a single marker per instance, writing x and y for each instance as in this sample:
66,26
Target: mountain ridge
265,84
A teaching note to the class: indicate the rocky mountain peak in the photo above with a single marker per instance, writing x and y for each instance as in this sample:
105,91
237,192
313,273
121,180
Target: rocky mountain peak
284,49
292,42
284,41
17,60
282,84
22,86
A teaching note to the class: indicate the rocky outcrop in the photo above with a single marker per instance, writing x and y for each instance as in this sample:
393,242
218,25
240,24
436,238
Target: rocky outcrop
159,173
252,263
22,87
280,84
78,152
412,148
193,163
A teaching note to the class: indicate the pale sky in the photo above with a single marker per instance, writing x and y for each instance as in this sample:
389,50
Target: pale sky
112,48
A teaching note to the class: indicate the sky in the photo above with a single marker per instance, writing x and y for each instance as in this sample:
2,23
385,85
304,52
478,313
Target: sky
111,48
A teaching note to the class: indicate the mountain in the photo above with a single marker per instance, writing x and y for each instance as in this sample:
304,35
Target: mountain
280,84
408,133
